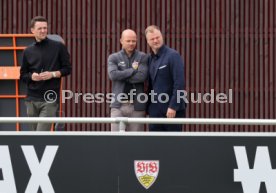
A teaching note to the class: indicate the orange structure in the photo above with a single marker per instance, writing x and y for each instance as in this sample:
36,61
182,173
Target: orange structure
11,48
14,43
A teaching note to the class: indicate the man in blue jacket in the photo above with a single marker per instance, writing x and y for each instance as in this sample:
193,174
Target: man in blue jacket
166,78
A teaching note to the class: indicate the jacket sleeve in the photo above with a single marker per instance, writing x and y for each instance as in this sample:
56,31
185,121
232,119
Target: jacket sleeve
65,61
148,91
177,70
142,71
25,74
114,73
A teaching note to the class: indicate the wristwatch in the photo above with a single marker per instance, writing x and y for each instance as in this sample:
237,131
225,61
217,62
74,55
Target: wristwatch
54,75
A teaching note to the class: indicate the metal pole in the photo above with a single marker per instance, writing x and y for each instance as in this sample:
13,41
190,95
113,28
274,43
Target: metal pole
122,123
125,120
122,126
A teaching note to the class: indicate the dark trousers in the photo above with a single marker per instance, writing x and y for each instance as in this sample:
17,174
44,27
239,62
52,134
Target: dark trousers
154,113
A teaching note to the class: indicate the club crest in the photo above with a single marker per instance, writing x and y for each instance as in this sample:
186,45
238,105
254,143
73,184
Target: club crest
135,63
146,171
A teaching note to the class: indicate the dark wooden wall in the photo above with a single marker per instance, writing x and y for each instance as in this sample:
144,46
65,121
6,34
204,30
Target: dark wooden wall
226,44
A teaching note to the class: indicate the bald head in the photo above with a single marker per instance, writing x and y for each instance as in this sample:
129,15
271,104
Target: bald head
128,41
128,32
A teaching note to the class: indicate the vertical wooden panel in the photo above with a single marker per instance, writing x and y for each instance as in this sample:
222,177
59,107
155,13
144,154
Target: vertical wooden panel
271,102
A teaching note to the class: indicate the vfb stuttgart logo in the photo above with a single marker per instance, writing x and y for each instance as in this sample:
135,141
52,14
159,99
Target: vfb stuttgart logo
146,171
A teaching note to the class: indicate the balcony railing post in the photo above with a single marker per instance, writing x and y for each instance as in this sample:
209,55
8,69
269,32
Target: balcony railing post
122,123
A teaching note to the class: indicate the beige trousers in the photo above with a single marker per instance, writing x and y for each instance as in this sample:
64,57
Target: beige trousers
127,110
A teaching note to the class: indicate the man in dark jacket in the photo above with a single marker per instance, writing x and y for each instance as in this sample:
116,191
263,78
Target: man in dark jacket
166,78
128,70
44,63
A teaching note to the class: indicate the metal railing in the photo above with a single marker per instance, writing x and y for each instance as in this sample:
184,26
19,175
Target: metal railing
122,121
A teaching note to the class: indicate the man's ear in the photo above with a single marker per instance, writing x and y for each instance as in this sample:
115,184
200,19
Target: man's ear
32,30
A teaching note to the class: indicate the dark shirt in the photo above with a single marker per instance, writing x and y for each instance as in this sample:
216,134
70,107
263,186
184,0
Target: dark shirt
128,88
47,55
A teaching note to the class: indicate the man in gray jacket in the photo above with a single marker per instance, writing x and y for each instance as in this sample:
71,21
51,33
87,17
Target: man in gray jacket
128,71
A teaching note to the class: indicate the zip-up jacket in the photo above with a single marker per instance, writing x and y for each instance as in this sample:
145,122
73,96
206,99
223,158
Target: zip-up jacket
120,72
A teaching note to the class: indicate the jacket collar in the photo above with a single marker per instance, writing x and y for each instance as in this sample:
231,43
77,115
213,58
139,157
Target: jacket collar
160,51
124,53
41,42
157,55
